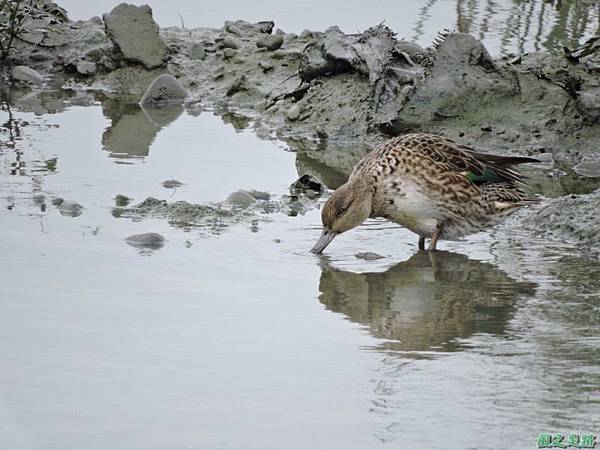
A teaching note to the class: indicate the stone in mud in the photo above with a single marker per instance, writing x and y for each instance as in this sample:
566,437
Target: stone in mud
86,68
307,185
266,66
229,53
293,113
171,184
122,200
241,199
163,90
150,241
70,208
197,51
588,169
230,42
271,42
26,74
135,33
369,256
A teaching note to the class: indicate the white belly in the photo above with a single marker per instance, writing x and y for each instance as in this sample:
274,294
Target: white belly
411,208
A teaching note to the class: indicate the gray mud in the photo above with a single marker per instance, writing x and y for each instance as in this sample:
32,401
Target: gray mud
332,96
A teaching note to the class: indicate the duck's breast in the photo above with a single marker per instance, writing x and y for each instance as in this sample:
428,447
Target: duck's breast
405,203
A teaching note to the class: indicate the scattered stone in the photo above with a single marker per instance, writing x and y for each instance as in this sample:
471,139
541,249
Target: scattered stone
270,42
234,29
135,33
86,68
265,66
307,185
197,51
229,53
57,201
149,241
230,42
369,256
293,113
171,184
164,89
265,26
70,209
122,200
241,199
588,169
27,74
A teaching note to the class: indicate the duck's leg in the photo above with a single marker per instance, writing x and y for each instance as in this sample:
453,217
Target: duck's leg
421,243
434,239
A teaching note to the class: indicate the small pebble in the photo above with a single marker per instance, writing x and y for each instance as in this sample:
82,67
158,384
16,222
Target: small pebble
369,256
171,184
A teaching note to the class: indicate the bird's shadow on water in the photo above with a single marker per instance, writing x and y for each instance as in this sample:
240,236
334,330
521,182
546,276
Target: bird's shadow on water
426,303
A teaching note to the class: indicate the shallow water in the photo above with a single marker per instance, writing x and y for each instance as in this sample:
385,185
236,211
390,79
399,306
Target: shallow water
239,338
505,26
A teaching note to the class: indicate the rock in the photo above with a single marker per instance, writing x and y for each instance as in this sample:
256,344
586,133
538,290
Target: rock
408,47
266,66
150,241
307,185
122,200
171,184
27,74
234,29
333,29
164,89
259,195
588,169
135,33
265,26
70,209
86,68
293,113
270,42
241,199
197,51
229,53
369,256
230,42
57,201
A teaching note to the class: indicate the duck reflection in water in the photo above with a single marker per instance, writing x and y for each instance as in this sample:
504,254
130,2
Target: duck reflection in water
426,302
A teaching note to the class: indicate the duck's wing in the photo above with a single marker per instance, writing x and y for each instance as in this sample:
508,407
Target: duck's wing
480,168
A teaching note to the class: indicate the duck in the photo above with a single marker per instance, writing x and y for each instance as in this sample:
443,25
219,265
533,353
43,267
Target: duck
430,185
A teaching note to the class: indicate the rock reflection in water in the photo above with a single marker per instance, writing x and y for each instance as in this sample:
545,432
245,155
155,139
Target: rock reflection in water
133,128
427,301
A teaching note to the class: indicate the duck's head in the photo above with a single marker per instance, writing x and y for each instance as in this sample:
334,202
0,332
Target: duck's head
348,207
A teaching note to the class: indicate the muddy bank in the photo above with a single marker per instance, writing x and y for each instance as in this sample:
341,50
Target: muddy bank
332,96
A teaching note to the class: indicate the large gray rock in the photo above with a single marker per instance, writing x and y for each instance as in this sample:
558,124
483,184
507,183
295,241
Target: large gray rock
270,42
24,73
133,30
163,90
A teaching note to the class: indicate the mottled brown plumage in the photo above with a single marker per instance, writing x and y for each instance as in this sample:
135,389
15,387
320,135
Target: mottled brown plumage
428,184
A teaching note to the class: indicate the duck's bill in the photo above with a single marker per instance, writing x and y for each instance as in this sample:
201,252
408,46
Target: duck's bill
326,237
